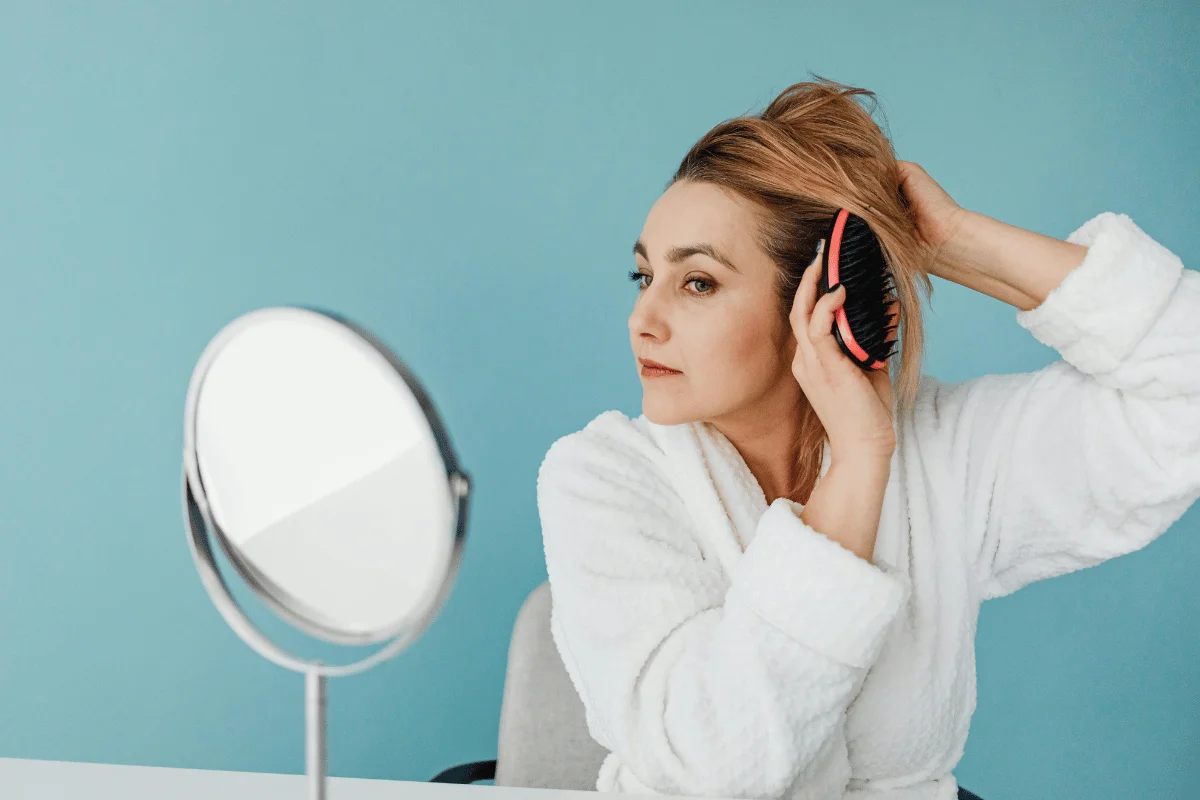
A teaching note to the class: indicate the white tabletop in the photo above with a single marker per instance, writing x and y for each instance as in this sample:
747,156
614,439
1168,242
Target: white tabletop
26,779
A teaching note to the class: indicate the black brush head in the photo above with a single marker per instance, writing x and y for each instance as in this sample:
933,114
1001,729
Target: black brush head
870,290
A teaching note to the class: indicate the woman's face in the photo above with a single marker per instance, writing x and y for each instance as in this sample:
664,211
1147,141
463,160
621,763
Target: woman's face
719,324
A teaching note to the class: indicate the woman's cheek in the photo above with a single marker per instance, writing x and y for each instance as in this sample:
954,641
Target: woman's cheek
753,344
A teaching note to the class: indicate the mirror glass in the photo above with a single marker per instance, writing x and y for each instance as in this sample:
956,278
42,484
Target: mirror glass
324,477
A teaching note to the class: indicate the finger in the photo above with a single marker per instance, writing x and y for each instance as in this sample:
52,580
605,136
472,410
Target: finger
806,292
820,326
912,177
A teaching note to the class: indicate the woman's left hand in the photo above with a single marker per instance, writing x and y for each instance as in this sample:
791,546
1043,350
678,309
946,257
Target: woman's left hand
1013,265
938,217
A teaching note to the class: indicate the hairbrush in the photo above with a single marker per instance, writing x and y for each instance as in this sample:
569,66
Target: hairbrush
864,324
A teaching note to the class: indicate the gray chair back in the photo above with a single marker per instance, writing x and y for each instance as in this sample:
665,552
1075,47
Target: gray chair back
544,741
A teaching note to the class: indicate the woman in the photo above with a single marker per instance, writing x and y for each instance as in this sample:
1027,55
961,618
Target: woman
767,584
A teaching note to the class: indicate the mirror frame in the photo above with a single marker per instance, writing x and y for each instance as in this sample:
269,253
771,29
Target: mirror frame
201,528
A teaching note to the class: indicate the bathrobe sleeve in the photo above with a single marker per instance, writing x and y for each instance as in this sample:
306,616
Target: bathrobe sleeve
704,683
1098,453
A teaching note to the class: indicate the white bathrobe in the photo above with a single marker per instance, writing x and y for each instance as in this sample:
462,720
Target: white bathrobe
797,669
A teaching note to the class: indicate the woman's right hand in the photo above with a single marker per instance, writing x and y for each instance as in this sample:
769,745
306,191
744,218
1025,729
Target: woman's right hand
855,407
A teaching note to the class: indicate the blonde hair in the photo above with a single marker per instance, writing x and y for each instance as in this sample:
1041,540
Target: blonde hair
816,149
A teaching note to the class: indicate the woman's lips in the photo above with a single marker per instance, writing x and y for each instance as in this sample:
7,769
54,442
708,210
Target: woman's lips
657,372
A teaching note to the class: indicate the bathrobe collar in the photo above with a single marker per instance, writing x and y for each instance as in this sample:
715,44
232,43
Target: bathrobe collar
716,484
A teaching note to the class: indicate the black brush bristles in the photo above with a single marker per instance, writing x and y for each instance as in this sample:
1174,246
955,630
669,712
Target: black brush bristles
862,269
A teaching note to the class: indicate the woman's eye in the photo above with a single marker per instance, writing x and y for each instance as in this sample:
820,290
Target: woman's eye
702,286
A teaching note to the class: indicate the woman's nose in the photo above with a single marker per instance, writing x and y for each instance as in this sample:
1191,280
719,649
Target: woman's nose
647,317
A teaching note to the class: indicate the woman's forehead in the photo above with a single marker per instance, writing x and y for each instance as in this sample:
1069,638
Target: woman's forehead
701,218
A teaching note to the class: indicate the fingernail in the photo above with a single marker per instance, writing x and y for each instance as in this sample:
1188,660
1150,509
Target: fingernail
835,287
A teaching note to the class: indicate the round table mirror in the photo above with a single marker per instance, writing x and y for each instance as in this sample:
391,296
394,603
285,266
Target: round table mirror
316,462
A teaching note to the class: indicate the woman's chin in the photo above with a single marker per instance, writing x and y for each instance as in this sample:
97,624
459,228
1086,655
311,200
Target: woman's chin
661,413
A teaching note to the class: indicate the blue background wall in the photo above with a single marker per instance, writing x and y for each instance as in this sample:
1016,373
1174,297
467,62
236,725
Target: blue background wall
467,179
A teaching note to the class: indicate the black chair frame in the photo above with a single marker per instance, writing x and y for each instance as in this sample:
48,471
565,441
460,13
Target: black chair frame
486,771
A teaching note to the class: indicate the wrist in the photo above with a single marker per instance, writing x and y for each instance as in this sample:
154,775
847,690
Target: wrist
868,456
957,254
866,468
845,504
974,257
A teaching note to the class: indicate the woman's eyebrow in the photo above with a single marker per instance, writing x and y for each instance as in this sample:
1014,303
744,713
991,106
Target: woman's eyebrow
677,254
